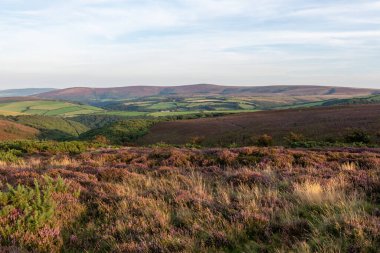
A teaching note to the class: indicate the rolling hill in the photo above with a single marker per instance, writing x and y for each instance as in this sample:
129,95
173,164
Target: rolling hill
14,131
23,92
319,123
88,94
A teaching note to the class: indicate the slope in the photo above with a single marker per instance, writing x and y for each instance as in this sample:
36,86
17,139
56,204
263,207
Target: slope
52,128
14,131
314,123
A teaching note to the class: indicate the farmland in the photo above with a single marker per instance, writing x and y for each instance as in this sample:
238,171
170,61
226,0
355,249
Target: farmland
158,106
185,101
45,107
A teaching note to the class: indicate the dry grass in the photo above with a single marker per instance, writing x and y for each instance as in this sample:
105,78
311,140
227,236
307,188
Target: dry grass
211,200
348,166
315,193
64,161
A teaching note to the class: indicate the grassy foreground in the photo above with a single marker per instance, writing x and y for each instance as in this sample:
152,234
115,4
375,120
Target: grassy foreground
186,200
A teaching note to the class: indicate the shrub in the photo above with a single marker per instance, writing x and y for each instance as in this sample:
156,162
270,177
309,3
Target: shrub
359,136
122,132
32,147
264,140
197,140
294,138
27,215
101,139
226,157
10,156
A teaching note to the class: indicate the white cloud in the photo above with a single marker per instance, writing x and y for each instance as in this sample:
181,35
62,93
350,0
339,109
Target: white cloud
185,41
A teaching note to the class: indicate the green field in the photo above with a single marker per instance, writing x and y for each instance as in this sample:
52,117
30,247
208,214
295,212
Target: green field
157,106
172,106
126,113
148,107
48,108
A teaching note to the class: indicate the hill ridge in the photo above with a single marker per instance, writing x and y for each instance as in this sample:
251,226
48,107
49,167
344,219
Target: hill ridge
91,93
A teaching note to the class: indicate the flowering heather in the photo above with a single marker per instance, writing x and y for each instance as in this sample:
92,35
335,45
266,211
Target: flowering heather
192,200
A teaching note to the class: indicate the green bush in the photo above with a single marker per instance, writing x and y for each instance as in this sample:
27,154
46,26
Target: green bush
358,136
10,150
294,138
10,155
27,215
122,132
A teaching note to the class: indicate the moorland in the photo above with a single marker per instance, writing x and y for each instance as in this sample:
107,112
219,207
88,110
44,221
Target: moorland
198,168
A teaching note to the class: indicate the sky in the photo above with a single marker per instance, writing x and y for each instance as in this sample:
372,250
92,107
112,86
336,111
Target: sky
104,43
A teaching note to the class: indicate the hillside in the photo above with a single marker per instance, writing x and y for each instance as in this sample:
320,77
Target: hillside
52,128
17,106
122,132
23,92
314,123
88,94
374,99
13,131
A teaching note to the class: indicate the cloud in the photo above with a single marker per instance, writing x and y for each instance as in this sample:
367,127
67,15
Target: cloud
115,42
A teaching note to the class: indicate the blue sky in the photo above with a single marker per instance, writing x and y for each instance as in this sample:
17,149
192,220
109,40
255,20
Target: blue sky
149,42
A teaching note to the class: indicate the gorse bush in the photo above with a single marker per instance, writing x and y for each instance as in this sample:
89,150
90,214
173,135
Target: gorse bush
11,155
264,140
358,136
17,148
27,215
292,138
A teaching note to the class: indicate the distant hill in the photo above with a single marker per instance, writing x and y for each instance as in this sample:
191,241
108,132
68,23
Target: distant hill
14,131
320,123
23,92
88,94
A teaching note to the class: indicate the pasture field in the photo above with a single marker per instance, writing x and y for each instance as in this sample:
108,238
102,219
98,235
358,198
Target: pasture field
161,106
44,107
188,200
171,106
